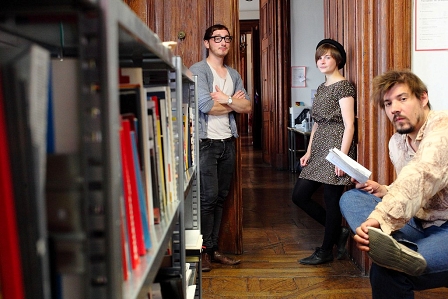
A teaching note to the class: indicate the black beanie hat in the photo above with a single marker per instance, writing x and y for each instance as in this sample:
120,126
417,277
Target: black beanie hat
338,46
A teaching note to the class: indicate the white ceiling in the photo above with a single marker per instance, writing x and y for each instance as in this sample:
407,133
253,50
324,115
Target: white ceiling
249,5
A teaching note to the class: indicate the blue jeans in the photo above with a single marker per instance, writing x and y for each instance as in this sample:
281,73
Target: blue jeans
217,163
431,242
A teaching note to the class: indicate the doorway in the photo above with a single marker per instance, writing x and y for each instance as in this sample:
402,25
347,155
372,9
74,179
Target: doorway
251,125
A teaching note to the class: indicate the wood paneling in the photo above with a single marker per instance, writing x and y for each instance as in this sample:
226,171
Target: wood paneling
140,8
231,234
276,79
267,77
377,37
283,83
168,18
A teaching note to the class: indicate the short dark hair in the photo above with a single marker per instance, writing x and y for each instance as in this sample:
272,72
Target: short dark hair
383,83
337,51
209,32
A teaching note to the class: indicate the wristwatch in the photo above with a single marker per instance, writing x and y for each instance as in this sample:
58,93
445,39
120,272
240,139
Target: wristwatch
229,101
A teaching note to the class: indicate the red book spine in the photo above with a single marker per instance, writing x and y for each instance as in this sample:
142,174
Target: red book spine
11,265
130,226
129,159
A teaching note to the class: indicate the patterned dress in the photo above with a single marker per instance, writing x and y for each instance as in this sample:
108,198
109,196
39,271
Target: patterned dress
326,112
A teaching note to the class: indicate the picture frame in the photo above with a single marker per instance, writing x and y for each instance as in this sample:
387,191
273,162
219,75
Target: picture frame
298,76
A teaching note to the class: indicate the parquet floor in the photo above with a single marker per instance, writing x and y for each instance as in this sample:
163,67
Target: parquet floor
275,235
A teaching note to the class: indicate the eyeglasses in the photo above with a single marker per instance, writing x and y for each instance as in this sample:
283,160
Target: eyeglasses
218,39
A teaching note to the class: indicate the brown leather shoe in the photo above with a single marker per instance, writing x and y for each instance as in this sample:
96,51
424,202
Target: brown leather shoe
206,263
218,257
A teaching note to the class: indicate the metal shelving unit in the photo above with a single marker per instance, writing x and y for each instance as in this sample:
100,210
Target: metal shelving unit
105,35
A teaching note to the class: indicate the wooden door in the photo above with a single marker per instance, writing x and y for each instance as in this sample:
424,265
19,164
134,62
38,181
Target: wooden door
267,75
257,127
253,27
275,81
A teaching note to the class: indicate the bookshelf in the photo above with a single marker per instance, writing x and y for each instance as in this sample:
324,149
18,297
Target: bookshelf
97,39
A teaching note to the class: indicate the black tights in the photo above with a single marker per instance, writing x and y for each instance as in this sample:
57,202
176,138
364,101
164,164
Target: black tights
301,196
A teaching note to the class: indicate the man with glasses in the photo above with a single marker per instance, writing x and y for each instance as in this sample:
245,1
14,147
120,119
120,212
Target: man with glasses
221,95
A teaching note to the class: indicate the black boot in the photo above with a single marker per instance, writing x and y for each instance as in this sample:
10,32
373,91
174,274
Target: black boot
320,256
342,241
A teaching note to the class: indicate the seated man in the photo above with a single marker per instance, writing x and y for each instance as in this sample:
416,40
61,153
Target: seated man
403,227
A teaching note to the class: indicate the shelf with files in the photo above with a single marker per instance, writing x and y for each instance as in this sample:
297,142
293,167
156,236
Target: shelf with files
103,36
193,237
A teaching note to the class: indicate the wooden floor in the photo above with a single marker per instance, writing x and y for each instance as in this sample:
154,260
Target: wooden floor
275,235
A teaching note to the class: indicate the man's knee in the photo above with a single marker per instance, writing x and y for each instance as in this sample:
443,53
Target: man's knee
347,199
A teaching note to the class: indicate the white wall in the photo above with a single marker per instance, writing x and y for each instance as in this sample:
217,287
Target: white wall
249,14
431,66
249,9
307,29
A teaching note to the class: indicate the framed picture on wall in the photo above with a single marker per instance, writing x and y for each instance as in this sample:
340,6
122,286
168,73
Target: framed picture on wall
298,76
430,25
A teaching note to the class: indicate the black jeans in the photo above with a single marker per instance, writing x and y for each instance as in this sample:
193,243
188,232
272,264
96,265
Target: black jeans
217,163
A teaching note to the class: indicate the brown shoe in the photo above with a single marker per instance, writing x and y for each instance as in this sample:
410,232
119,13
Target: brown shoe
218,257
206,263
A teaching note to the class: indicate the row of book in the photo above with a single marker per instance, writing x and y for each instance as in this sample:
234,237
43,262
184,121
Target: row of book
148,162
149,120
41,186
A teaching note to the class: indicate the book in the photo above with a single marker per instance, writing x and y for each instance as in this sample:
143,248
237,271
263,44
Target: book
348,165
26,75
133,190
141,195
11,269
133,100
129,214
159,159
154,172
168,148
186,126
192,136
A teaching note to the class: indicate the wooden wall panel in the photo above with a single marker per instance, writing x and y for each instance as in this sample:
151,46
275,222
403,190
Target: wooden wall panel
231,233
140,8
276,80
377,37
283,83
168,18
268,77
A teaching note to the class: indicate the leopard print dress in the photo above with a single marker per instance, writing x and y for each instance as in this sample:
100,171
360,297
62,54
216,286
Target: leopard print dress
326,112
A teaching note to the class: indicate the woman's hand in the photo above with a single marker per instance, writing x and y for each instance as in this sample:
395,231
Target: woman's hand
304,160
338,171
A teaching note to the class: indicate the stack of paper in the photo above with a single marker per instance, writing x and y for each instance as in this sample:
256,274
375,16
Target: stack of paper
348,165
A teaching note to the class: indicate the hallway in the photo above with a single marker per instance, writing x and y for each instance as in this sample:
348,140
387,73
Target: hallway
275,235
